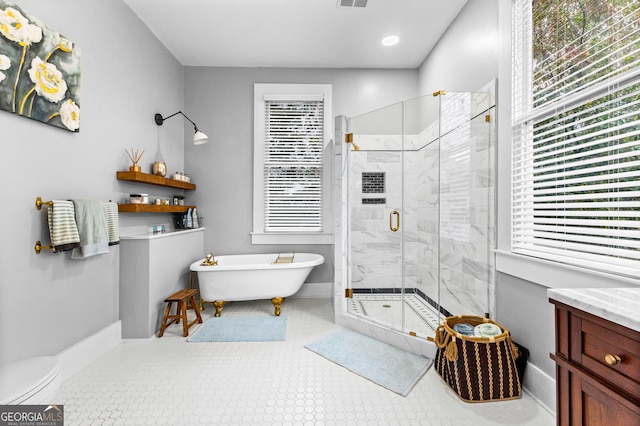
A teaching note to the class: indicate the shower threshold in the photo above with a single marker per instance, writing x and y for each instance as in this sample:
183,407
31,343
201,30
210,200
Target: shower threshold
420,316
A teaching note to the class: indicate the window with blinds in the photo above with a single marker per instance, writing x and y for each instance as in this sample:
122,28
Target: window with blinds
576,129
294,132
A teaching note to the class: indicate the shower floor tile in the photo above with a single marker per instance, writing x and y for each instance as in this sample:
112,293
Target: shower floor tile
386,308
169,381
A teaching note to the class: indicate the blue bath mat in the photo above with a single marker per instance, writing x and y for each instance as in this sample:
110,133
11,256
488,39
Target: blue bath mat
383,364
241,329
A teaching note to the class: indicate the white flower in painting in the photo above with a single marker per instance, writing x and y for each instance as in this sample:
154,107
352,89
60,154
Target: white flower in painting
65,45
48,81
16,27
70,114
5,63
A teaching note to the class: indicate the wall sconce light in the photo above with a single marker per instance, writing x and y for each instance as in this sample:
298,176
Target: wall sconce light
199,138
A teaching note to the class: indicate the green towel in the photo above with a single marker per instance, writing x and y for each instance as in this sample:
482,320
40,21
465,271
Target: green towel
487,330
92,227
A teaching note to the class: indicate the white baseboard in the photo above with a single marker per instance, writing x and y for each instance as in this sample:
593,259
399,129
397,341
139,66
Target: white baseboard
83,353
314,291
541,387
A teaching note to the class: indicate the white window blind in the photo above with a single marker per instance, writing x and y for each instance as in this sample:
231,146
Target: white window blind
576,132
294,132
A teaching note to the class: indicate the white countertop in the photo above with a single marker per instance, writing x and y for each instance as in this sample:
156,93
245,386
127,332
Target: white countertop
618,305
151,236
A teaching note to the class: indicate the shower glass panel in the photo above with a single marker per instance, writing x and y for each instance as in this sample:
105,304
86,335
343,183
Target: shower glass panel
467,229
375,216
421,214
420,211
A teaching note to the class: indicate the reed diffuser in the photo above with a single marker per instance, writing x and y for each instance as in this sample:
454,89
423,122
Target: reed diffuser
135,157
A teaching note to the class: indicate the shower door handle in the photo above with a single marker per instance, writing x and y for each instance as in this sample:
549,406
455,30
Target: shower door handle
397,215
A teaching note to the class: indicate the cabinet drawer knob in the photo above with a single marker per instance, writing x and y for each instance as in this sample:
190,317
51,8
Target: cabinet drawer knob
612,359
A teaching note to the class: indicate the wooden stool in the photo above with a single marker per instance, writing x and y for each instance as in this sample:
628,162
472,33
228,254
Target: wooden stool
181,297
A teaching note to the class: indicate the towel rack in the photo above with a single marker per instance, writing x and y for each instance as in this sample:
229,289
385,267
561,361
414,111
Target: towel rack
39,203
112,231
39,247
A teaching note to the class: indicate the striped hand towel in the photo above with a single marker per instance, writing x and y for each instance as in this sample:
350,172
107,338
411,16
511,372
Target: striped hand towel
111,211
63,230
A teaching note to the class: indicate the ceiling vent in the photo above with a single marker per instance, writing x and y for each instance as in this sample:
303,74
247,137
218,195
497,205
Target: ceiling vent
352,3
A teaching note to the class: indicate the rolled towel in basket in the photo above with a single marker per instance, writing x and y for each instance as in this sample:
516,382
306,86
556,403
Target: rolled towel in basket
464,328
486,330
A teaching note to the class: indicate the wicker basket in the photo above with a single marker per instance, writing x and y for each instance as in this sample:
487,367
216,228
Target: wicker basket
477,369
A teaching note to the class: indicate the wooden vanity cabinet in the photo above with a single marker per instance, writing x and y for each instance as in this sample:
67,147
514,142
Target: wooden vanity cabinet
597,370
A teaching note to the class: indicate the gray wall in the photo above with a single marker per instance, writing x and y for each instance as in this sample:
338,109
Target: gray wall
49,302
523,307
222,101
466,56
150,270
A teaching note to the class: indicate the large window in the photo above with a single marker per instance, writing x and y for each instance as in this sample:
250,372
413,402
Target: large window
291,195
576,132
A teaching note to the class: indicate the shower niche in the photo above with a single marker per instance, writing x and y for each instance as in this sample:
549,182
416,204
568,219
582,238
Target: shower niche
416,232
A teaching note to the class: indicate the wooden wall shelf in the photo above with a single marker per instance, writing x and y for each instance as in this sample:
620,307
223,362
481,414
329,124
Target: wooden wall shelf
154,180
152,208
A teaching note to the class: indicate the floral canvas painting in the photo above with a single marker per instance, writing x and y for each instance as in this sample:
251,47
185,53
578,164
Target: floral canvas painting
39,70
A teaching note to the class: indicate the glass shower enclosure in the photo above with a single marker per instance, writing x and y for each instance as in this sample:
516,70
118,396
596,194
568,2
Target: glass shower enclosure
417,213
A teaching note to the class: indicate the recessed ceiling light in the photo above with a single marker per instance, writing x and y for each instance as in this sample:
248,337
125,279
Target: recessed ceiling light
390,40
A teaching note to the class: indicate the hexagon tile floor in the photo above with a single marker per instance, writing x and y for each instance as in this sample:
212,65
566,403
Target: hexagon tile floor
168,381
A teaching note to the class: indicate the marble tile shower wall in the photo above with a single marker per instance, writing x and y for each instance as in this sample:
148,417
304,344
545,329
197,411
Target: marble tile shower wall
420,214
465,225
467,228
376,252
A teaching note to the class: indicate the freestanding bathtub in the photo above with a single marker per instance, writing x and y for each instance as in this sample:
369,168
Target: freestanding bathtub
253,277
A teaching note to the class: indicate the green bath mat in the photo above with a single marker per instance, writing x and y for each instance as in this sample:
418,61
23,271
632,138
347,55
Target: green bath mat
383,364
241,329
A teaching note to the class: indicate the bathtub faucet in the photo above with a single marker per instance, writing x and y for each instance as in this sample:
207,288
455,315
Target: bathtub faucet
209,260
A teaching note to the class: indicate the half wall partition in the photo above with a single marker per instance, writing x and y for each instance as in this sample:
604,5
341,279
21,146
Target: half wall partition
415,234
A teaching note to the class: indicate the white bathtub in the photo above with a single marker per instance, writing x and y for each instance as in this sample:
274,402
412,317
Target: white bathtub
253,277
